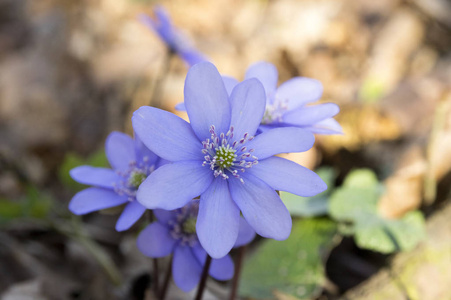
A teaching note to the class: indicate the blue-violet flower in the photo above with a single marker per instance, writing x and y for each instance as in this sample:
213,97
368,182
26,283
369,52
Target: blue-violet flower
176,41
175,232
132,162
287,104
217,157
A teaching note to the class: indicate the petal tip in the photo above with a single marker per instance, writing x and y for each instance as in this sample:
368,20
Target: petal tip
285,232
322,186
75,209
120,227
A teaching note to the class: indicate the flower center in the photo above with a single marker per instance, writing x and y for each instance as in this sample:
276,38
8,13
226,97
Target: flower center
275,111
189,225
132,178
226,157
184,226
136,178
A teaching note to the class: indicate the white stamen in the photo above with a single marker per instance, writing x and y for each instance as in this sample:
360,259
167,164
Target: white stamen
224,154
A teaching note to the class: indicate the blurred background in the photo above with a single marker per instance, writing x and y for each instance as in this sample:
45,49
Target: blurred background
73,71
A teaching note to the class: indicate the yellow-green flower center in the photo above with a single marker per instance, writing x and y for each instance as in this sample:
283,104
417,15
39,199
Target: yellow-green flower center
225,156
189,225
136,178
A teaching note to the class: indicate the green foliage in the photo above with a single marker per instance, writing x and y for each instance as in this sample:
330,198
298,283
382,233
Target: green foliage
311,206
387,236
97,159
10,210
361,178
34,205
355,206
348,204
293,266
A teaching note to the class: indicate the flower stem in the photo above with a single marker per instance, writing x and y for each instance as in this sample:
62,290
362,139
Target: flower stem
155,276
203,279
236,276
156,280
166,280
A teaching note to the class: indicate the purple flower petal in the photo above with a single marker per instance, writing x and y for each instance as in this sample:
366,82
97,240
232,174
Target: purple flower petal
120,151
173,185
173,38
162,16
132,212
191,56
161,25
155,241
167,135
229,83
265,127
161,162
220,269
245,235
310,115
143,153
281,140
180,106
100,177
261,207
148,21
299,91
248,102
218,220
267,74
186,269
328,126
164,216
92,199
206,100
284,175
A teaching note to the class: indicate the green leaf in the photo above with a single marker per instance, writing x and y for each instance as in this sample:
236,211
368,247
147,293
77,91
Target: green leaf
361,178
371,233
34,204
357,196
354,205
311,206
10,210
305,207
409,230
387,236
37,204
293,266
346,228
328,175
97,159
348,204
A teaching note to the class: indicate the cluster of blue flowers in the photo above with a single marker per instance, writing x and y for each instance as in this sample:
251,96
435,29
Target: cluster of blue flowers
212,183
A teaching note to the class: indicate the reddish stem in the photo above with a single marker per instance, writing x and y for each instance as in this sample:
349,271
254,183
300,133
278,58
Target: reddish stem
236,276
203,280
